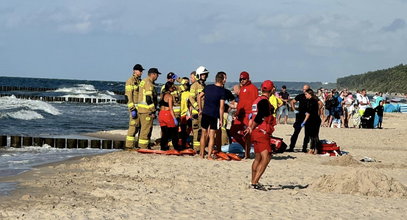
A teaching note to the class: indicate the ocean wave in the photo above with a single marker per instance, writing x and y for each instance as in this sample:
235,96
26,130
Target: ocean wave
23,115
23,106
78,89
86,91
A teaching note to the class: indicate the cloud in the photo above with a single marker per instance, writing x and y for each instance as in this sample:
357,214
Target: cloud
396,25
80,27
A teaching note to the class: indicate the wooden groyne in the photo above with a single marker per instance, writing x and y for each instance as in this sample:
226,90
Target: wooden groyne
26,141
66,99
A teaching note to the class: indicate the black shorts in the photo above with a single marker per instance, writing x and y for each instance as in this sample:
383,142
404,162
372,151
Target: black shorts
209,122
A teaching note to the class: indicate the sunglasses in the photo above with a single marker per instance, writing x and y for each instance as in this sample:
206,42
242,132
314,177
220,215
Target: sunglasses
241,79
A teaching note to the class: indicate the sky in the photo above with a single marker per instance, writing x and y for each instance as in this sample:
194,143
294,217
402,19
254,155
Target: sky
280,40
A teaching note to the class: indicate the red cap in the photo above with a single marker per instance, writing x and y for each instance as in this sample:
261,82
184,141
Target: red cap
244,75
267,85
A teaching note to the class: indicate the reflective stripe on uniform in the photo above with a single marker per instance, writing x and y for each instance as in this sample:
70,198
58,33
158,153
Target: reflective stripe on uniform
194,112
182,88
130,138
184,81
197,143
142,141
148,92
195,105
130,105
129,88
145,106
200,90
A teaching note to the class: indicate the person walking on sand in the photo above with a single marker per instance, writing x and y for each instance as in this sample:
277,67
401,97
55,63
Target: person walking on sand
299,118
261,127
132,93
212,112
247,94
167,119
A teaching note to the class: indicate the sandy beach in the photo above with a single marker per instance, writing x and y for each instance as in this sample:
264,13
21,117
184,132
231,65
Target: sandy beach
129,185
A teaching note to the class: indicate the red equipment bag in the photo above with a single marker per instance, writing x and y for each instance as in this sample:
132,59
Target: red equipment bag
277,145
332,149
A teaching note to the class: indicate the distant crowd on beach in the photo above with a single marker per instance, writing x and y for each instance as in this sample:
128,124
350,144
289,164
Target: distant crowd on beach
201,118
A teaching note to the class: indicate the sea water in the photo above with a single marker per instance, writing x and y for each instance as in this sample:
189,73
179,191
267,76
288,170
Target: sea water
21,117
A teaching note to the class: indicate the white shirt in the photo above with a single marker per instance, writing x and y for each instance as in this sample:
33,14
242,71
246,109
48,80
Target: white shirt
363,99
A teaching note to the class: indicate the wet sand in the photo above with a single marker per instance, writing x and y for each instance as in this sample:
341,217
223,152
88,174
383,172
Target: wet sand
129,185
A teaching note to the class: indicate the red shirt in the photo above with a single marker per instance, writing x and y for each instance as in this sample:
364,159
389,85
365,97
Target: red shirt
248,94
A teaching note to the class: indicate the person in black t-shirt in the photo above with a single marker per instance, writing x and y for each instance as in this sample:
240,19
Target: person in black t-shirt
212,114
283,110
299,118
312,120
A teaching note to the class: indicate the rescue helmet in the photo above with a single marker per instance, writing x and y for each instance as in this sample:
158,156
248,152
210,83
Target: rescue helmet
201,71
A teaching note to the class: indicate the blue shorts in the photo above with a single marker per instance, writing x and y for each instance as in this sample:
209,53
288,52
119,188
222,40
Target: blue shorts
283,110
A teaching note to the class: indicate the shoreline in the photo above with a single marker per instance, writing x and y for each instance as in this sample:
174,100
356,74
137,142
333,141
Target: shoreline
132,185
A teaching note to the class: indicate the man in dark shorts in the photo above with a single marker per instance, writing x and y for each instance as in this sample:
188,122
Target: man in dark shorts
212,114
299,118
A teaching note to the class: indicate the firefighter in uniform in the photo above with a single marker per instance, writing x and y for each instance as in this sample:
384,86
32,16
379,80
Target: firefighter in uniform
147,106
185,122
131,92
261,127
196,88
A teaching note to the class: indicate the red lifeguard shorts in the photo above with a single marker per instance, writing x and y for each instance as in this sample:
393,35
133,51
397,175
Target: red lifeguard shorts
260,141
165,118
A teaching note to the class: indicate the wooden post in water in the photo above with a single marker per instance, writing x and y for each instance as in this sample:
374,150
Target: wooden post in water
27,141
38,141
106,144
95,144
60,143
49,141
118,144
72,143
3,141
15,141
82,143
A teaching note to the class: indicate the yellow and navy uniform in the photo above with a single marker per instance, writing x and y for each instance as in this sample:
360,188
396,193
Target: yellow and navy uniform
147,105
132,93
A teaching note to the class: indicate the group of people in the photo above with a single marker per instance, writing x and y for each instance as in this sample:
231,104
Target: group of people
204,117
343,109
191,107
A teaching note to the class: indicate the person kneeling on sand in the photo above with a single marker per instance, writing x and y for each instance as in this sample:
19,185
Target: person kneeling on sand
261,127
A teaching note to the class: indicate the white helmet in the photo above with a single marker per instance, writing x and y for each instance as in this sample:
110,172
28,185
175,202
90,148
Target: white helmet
201,71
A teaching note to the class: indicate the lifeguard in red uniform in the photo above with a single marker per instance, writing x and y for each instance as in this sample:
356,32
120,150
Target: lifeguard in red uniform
248,93
261,127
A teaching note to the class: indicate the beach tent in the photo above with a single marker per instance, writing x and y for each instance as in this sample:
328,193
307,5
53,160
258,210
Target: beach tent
392,108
